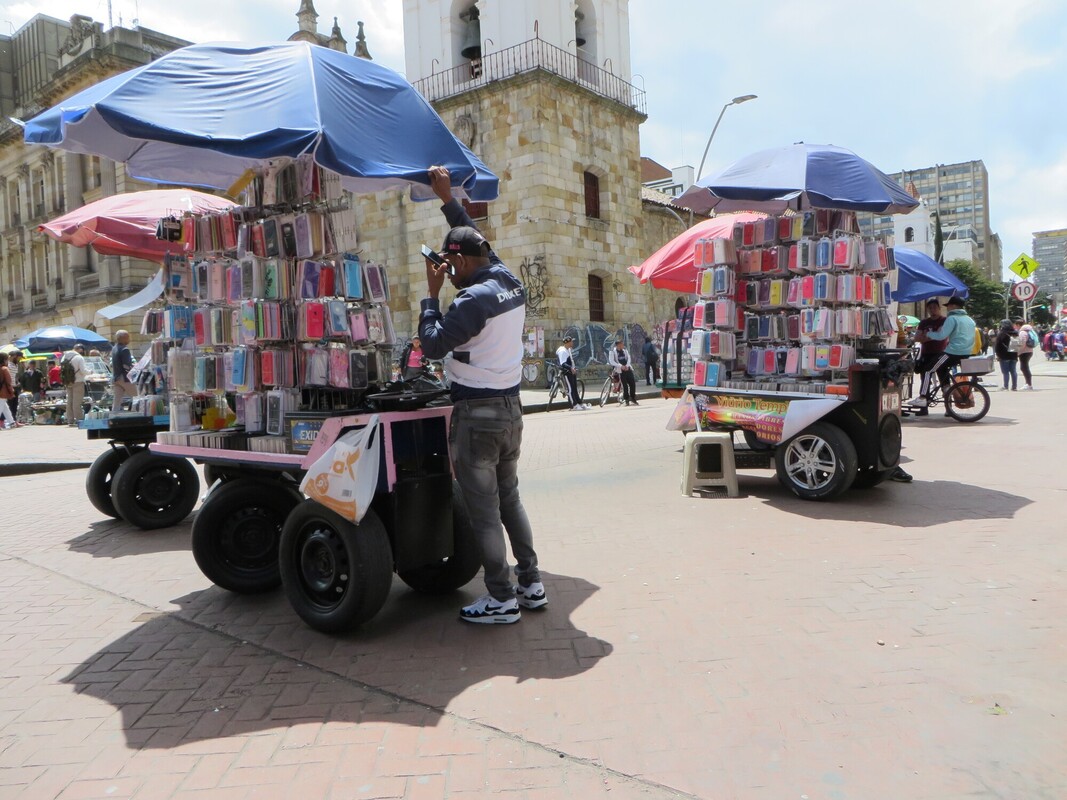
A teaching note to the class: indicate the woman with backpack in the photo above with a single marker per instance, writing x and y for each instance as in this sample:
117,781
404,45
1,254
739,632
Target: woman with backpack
1028,342
1005,347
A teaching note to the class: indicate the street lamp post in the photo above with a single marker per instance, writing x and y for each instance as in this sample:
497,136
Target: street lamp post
735,102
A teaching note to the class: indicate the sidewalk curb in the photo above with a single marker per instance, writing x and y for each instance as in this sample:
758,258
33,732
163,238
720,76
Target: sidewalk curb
649,393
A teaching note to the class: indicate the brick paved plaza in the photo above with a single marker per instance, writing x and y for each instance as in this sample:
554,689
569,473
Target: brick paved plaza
904,642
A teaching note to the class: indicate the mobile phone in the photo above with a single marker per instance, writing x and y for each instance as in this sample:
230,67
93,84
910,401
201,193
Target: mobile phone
435,258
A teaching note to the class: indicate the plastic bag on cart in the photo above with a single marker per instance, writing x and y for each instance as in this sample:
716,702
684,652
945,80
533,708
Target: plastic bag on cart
344,478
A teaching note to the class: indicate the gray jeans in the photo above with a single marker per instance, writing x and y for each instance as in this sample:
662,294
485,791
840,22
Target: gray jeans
485,439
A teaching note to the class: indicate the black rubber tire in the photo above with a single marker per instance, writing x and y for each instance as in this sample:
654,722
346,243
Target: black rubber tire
336,574
755,443
605,393
832,447
151,491
552,395
213,473
237,531
869,478
100,476
459,570
979,396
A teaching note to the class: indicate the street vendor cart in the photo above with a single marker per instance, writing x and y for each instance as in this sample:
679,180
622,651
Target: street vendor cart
275,327
787,339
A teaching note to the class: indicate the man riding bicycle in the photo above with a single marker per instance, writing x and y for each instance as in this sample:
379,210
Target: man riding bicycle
958,331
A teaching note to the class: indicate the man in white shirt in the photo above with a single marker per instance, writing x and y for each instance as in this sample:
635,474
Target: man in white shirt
570,373
619,359
76,390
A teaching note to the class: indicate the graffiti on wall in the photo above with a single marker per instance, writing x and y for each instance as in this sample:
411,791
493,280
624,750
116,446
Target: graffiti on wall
592,341
534,275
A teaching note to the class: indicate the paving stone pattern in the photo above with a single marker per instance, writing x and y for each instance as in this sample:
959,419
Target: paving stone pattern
905,641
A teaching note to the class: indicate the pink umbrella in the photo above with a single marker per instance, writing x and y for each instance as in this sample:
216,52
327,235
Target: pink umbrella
671,267
125,224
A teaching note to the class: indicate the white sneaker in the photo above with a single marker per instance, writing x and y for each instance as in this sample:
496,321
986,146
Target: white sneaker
488,610
918,402
1028,388
532,596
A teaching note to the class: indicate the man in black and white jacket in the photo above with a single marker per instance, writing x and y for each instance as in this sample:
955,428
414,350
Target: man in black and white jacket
480,339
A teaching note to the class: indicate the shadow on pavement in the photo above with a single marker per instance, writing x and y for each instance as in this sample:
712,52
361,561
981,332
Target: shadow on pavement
920,504
939,420
227,665
115,538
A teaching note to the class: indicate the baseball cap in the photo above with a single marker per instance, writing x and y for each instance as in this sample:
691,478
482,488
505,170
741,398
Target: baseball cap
466,241
78,346
956,301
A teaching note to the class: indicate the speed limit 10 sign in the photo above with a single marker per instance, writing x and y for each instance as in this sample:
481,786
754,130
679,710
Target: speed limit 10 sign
1024,291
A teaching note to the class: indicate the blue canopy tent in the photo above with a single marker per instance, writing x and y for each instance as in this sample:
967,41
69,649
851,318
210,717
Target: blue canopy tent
800,176
205,114
919,278
59,337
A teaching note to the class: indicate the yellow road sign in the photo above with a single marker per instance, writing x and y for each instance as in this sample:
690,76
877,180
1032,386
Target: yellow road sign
1023,266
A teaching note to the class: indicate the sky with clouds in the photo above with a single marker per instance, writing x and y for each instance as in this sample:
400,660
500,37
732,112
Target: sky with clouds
904,83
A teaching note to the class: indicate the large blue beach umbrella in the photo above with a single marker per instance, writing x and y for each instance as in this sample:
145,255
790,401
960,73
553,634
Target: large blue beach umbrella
919,278
800,176
59,337
205,114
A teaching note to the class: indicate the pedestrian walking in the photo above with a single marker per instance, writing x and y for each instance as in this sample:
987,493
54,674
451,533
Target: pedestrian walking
1028,342
1005,348
481,336
651,355
14,360
121,364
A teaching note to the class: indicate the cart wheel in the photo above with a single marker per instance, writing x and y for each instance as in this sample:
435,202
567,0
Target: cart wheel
755,443
869,478
236,534
336,574
101,474
213,473
818,463
153,491
458,570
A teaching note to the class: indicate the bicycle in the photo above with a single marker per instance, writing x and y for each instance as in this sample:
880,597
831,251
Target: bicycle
561,386
612,388
966,399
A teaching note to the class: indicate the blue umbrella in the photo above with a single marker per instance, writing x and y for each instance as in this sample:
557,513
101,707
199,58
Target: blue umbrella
800,176
59,337
205,114
919,278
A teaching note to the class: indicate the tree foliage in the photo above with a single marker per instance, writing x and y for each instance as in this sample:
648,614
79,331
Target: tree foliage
986,299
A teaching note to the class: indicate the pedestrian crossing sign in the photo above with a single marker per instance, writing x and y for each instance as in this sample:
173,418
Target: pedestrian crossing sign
1023,266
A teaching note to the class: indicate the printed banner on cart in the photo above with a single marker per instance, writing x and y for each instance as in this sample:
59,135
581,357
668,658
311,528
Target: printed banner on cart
772,418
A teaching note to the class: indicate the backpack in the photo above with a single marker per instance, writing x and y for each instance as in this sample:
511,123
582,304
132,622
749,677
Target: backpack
1033,338
979,345
67,372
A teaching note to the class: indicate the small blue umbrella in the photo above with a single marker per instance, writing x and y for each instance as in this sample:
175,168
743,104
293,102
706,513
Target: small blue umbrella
800,176
205,114
919,278
59,337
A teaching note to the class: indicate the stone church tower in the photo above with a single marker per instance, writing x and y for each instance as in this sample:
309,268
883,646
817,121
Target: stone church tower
539,90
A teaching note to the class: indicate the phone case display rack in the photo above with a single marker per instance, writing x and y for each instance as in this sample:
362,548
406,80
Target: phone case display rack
786,302
269,316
